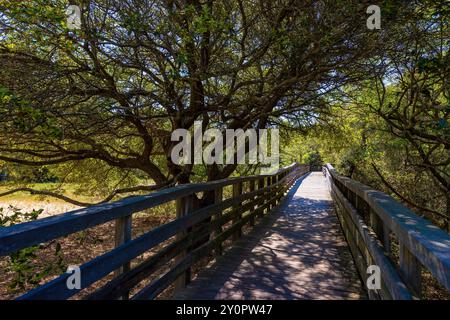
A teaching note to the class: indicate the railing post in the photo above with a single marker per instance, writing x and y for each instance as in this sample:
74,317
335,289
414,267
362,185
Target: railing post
218,195
261,196
380,230
294,175
410,270
266,194
269,193
278,189
377,225
387,239
283,185
347,193
123,235
252,209
237,191
286,181
184,207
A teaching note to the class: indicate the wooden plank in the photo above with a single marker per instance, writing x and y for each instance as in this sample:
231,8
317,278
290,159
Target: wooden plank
152,290
282,261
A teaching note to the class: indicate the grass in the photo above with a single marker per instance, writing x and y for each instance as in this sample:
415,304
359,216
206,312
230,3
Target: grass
68,189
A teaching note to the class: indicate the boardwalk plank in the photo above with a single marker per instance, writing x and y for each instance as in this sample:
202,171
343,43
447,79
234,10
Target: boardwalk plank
298,252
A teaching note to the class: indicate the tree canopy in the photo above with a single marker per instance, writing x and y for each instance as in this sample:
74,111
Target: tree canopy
101,102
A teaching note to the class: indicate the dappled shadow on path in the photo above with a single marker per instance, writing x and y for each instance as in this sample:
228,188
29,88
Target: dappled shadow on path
298,252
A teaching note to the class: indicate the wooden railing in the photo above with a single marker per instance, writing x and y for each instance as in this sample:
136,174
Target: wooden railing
194,234
381,231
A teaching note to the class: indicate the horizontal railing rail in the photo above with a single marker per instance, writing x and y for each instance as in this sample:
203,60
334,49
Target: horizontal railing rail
196,232
371,220
39,231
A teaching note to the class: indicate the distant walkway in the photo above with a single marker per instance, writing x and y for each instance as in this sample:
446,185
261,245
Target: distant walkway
297,252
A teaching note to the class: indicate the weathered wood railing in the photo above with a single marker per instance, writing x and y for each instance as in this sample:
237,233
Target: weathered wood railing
195,233
372,222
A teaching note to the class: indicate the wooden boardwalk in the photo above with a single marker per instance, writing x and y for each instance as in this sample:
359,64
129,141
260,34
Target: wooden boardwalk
297,252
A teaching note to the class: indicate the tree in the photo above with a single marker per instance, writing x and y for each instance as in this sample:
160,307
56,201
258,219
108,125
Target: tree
113,91
416,109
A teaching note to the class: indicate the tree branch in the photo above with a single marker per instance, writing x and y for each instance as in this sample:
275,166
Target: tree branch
86,204
387,184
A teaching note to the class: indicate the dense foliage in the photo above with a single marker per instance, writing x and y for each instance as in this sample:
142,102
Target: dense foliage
97,105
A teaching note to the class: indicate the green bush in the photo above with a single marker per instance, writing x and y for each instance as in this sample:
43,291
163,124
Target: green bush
23,263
